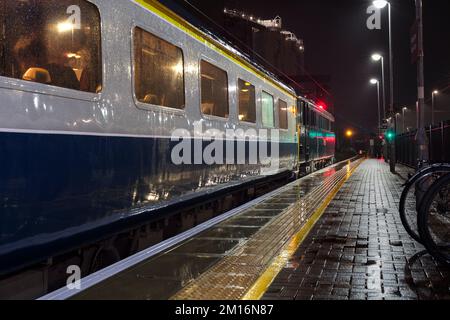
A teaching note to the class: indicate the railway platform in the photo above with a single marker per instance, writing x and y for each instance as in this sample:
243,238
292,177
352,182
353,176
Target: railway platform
335,234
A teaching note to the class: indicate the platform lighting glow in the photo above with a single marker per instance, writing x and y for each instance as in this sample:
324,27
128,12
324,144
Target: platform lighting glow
405,109
377,57
435,92
373,81
65,27
380,4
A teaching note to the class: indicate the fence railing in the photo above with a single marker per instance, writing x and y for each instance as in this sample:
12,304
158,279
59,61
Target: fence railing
439,149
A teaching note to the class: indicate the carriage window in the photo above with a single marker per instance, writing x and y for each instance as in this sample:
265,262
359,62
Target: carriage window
214,82
159,71
51,42
247,101
268,119
283,114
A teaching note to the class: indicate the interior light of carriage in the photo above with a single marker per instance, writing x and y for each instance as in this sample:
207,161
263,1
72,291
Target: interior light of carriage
73,55
65,27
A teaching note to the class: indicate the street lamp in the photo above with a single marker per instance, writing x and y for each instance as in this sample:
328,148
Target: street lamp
378,57
396,118
404,120
380,4
349,133
377,82
435,93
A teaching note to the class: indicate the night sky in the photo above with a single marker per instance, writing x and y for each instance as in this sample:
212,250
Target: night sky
338,43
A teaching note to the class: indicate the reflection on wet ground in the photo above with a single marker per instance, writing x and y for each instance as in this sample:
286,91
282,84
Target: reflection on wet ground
163,276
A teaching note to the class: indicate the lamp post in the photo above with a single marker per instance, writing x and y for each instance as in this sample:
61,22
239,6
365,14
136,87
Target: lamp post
404,120
377,82
433,100
378,57
396,119
380,4
421,137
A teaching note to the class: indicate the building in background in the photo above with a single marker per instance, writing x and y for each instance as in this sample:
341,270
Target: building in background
266,42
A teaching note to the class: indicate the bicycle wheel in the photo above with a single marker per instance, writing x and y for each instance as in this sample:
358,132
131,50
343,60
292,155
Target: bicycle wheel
411,197
434,219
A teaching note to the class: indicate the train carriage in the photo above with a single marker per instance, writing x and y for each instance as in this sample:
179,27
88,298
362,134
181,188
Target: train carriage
91,94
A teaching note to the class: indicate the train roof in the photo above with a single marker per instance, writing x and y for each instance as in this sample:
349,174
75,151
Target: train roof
216,43
319,110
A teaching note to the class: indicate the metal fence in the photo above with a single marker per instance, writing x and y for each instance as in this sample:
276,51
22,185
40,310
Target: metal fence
439,151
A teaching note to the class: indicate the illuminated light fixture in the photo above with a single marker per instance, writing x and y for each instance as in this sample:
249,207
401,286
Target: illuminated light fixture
405,109
349,133
244,90
380,4
435,92
73,55
374,81
251,18
241,117
65,27
248,84
377,57
322,105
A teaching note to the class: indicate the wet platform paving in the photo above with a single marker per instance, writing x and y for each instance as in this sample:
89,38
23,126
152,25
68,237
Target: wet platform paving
359,249
226,261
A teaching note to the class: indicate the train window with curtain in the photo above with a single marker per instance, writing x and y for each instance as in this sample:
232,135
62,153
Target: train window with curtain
247,101
214,88
158,71
268,118
283,114
56,43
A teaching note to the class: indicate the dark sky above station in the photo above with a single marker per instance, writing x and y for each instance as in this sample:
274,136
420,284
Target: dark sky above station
338,43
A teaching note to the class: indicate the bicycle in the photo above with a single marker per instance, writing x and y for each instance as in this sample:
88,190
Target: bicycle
434,219
410,201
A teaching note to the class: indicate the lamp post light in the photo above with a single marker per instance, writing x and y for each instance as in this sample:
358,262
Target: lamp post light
433,100
380,4
377,82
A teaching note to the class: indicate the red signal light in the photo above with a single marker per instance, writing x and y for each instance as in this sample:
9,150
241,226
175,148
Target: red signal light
321,105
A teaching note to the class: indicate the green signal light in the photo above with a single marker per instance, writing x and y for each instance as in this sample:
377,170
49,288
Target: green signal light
390,135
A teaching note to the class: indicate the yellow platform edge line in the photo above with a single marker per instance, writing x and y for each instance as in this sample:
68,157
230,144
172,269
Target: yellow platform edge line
266,279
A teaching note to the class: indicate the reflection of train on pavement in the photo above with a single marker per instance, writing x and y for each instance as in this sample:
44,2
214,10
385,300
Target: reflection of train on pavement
90,94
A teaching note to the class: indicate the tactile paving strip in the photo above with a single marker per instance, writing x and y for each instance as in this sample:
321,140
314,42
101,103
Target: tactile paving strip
234,275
